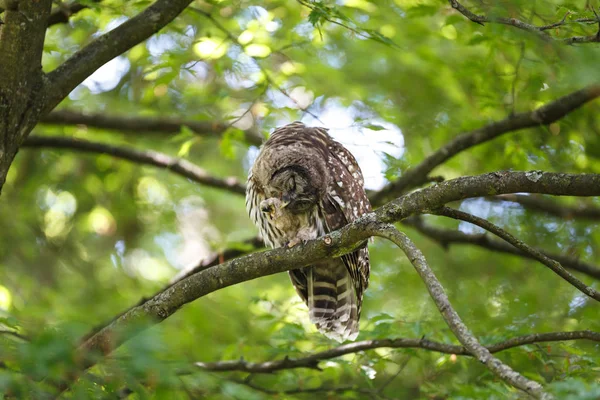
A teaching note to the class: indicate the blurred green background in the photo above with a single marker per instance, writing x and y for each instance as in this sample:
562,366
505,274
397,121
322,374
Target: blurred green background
83,237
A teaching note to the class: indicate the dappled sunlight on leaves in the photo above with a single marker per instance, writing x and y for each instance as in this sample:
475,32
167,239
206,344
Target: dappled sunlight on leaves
85,236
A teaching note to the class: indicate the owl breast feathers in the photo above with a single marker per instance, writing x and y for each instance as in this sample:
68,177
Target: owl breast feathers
302,186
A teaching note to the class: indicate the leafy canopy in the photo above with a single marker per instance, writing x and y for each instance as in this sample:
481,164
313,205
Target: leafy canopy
85,236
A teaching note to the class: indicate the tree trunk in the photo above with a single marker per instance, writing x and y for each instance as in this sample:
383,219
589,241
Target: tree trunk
21,77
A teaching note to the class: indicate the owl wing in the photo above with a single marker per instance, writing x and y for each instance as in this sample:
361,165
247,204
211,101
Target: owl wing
346,201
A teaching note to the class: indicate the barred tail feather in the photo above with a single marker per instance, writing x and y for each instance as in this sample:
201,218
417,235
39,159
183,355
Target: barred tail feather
332,302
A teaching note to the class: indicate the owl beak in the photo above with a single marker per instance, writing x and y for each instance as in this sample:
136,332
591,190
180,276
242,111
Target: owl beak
285,200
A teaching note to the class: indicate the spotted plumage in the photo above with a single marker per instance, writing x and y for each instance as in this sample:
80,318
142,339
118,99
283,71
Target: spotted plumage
302,186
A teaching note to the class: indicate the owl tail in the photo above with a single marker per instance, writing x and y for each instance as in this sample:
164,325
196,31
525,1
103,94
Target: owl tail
332,302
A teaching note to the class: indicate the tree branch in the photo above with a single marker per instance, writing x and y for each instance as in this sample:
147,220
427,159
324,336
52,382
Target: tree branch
481,19
63,12
177,165
143,124
443,236
413,177
14,334
167,302
270,81
544,115
540,31
335,244
543,204
454,321
108,46
193,172
501,182
312,361
446,237
496,230
583,39
212,260
22,44
21,79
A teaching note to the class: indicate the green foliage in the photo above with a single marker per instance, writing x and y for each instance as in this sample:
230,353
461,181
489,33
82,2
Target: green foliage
83,237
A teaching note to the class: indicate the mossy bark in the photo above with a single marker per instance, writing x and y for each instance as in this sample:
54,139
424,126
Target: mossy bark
21,77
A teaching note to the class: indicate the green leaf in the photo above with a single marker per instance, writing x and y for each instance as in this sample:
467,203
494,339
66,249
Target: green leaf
184,149
375,127
9,321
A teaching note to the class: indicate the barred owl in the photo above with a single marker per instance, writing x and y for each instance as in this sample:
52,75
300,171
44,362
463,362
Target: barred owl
302,186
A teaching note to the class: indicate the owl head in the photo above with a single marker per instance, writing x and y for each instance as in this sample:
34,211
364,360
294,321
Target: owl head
294,186
298,179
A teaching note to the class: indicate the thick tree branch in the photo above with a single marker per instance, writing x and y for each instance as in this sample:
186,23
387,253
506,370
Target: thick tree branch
544,115
177,165
212,260
193,172
21,43
543,204
496,230
454,321
256,265
108,46
21,79
312,361
446,237
143,124
540,31
242,269
220,257
501,182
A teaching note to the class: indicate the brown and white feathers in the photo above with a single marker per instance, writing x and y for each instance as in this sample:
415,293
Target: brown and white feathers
303,185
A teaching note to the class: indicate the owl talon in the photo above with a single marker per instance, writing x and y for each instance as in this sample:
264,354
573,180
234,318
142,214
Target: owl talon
296,241
271,206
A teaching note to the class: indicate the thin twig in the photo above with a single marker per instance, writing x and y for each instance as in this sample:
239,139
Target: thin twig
312,361
540,31
556,24
249,108
516,78
61,81
496,230
14,334
544,115
550,207
161,160
324,13
263,70
453,320
447,237
403,365
143,125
